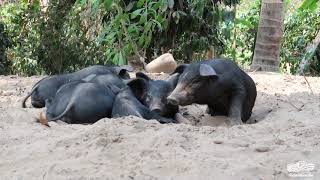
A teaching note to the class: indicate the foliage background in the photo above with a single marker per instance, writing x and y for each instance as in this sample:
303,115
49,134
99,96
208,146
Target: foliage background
73,34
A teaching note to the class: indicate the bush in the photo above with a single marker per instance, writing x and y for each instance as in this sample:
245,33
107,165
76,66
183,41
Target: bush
4,44
147,28
299,30
51,42
21,22
74,34
240,46
64,45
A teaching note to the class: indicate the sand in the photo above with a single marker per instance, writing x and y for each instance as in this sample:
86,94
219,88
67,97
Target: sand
284,129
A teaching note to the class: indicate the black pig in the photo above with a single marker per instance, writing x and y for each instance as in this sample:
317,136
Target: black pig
153,93
47,87
219,83
80,102
109,80
126,104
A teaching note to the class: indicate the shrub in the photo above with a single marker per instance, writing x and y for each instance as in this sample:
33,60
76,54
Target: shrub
299,30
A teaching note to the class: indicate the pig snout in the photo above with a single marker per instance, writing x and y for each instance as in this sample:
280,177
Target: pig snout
157,108
178,97
172,100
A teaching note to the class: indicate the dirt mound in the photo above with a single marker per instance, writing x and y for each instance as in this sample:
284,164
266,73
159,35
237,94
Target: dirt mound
285,129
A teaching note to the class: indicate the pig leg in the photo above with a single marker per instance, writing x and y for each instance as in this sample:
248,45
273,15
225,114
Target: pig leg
235,111
246,111
219,107
217,110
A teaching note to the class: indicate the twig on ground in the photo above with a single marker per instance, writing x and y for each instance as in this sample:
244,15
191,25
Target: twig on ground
308,83
298,109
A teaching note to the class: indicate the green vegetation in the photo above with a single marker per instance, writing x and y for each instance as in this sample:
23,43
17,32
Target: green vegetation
68,35
300,29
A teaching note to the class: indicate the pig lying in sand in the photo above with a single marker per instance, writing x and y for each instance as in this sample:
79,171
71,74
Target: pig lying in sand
47,87
218,83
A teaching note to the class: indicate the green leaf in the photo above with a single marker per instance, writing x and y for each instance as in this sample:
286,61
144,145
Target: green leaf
148,39
81,2
125,16
95,6
107,4
142,20
135,13
165,24
36,5
141,40
122,60
170,3
158,24
130,6
164,7
140,3
157,5
147,27
115,58
244,22
152,12
309,5
160,19
132,29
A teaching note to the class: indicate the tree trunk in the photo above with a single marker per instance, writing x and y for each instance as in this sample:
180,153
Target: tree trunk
267,48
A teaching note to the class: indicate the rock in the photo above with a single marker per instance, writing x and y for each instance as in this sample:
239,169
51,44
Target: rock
262,149
164,63
218,141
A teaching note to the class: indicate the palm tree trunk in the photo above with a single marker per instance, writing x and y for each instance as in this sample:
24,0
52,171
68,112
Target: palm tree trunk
267,48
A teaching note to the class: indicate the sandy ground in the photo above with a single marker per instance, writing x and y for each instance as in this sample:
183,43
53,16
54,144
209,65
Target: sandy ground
287,130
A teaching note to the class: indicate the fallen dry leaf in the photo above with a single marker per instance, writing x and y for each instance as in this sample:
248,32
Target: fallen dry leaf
43,120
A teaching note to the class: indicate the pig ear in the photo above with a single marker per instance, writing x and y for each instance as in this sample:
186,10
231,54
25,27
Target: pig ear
138,87
206,70
126,67
122,71
179,69
173,79
142,76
